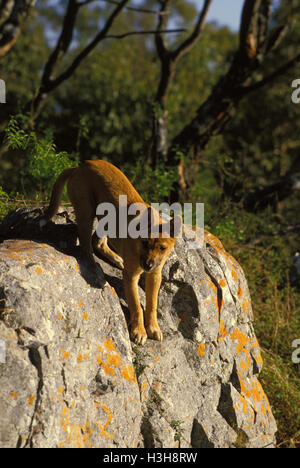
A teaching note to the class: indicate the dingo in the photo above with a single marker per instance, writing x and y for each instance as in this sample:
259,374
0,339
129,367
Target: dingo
98,182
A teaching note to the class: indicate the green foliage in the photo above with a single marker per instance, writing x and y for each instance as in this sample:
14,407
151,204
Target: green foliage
43,163
176,425
139,361
276,307
154,185
227,228
3,197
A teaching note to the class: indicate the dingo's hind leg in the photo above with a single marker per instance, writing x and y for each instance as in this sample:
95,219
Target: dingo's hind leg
84,218
85,228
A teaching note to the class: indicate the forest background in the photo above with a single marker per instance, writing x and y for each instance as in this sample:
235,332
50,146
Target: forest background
192,111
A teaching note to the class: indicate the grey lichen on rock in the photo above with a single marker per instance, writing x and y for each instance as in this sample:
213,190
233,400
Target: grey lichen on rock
72,377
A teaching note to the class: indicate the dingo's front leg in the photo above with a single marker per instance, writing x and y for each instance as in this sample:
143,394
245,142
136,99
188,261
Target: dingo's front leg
100,245
153,281
138,333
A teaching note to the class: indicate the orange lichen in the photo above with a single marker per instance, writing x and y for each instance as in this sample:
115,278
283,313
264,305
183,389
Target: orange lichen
85,316
109,345
244,403
245,364
65,353
107,369
241,338
77,435
13,395
114,359
217,245
144,386
30,400
201,350
128,373
245,306
109,414
222,283
38,270
234,275
222,331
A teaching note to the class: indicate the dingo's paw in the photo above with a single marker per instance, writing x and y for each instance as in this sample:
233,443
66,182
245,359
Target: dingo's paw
138,335
119,262
154,332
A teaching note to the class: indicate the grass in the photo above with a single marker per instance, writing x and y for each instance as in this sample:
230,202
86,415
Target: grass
276,307
8,204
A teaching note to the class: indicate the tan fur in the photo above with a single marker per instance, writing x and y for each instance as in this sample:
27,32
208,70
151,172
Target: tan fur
96,182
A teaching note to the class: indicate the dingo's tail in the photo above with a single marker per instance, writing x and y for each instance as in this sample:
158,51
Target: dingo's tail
56,196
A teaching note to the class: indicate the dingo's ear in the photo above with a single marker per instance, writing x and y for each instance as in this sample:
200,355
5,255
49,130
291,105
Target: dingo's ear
175,226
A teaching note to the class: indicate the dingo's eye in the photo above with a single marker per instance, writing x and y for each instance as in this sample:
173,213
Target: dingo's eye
162,248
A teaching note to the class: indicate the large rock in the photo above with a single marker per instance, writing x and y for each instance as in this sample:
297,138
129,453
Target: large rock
72,377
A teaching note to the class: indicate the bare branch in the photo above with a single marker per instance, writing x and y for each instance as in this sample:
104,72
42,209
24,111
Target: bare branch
276,37
139,10
85,2
193,38
135,33
273,193
280,71
63,42
280,232
49,83
248,29
263,22
169,59
161,48
13,13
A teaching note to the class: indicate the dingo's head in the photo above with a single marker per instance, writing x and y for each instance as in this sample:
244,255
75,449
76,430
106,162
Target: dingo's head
155,250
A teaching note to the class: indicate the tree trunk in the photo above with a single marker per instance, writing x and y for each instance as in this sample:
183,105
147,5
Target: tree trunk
256,40
213,115
12,15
